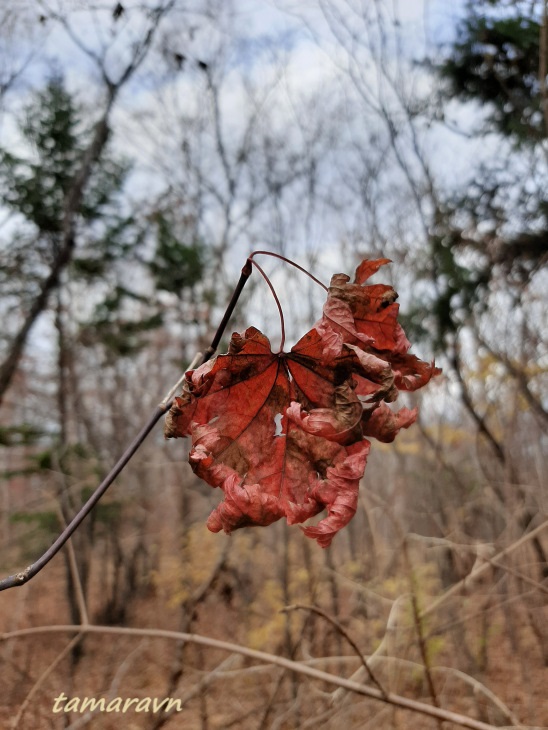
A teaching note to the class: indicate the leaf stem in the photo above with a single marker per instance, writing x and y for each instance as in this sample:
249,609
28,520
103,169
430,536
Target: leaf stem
288,261
271,287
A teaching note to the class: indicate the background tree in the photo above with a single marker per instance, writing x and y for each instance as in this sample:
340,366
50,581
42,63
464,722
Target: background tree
489,237
498,62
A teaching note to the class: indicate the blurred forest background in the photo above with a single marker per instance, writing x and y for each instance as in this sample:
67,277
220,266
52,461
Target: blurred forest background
146,147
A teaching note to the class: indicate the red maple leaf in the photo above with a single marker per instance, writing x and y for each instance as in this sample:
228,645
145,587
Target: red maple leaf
284,435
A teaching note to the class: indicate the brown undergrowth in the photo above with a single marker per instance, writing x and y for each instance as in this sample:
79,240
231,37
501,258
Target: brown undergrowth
482,645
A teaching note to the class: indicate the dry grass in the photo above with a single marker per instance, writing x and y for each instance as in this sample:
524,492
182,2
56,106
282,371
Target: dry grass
482,642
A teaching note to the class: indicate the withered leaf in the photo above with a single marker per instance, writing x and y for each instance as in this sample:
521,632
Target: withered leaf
284,435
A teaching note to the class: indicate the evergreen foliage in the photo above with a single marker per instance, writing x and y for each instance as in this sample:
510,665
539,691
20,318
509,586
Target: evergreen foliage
176,266
110,241
494,230
495,60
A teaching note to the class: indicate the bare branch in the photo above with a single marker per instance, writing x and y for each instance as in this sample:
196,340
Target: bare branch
481,557
19,579
478,418
74,196
84,617
264,657
464,584
113,689
521,379
161,409
24,576
419,626
343,633
42,678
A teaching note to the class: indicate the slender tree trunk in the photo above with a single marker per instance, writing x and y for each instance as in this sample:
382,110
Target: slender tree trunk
64,255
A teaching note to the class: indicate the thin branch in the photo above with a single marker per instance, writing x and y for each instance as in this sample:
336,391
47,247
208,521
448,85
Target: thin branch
520,576
521,378
71,204
474,548
73,199
42,678
30,571
438,453
84,618
18,579
244,276
10,363
418,621
475,684
477,687
267,706
221,149
264,657
345,634
113,689
204,683
142,49
465,582
479,419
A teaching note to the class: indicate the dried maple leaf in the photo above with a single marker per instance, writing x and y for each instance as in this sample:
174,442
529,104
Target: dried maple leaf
283,434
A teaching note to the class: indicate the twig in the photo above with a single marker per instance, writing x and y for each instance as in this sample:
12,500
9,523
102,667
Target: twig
475,684
485,558
267,708
276,299
261,656
204,682
84,618
480,421
244,276
24,576
73,198
464,583
515,372
189,607
41,679
19,579
519,576
345,634
487,607
120,673
418,621
289,261
30,571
